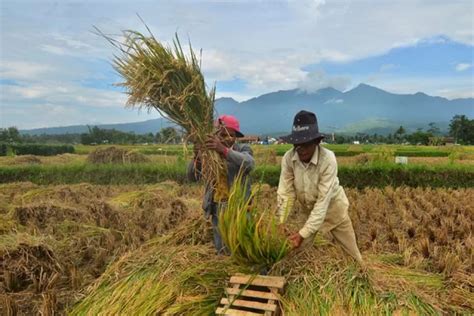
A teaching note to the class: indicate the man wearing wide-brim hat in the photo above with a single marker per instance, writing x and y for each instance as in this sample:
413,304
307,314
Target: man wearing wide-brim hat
309,175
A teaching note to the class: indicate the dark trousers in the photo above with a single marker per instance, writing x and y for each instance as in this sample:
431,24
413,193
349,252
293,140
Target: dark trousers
221,249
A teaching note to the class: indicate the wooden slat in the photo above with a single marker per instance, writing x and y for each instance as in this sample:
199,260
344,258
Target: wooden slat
271,301
254,305
250,293
277,282
236,312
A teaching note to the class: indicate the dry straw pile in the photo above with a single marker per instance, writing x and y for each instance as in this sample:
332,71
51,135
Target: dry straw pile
115,155
56,240
417,244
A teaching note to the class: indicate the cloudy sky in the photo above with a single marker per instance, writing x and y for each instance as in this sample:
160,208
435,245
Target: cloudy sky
54,71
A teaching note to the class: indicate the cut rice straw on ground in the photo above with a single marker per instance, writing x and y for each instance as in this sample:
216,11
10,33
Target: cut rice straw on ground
164,280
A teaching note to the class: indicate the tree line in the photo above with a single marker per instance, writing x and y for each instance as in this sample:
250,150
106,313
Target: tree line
94,136
461,129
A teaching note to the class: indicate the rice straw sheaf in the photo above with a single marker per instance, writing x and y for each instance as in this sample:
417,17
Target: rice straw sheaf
250,233
161,280
166,79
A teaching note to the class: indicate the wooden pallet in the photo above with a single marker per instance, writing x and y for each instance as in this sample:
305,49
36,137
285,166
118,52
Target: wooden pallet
251,295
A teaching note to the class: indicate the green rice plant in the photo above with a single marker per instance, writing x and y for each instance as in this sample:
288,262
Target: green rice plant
360,297
416,304
384,154
420,279
447,176
168,80
388,302
251,234
310,294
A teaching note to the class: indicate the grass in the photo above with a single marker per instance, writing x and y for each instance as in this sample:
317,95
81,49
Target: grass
280,149
372,175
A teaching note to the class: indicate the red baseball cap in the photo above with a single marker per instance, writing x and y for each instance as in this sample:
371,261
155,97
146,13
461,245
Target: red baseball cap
230,121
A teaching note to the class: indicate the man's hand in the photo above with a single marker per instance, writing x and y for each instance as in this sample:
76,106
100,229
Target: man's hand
214,143
295,240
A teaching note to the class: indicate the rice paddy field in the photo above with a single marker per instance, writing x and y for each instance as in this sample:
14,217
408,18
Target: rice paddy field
90,249
267,154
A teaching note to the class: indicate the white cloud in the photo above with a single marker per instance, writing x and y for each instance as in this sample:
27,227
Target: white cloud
23,70
456,93
387,67
319,79
60,104
265,43
463,66
448,87
53,49
261,75
334,101
62,93
70,42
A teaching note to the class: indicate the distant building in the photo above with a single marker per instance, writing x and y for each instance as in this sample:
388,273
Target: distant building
446,141
249,139
449,141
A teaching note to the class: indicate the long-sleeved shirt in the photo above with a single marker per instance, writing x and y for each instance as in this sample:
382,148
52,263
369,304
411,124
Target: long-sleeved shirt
315,186
239,156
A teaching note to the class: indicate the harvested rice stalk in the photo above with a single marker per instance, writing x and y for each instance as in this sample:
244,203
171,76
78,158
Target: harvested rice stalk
160,280
251,234
321,283
169,81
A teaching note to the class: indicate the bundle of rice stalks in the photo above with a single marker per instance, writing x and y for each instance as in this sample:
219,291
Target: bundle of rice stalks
160,280
115,155
70,195
323,281
7,224
27,159
169,81
250,233
363,159
151,211
194,230
27,263
147,197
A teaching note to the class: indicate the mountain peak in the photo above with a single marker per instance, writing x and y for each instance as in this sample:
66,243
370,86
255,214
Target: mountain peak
329,89
322,90
364,88
363,108
227,99
420,94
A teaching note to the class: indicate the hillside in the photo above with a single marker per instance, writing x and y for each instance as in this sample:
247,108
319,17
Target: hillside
363,109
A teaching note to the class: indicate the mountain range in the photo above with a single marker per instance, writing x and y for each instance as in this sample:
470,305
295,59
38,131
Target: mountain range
364,109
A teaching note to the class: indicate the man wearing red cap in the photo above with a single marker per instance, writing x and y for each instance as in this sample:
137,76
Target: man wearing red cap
238,157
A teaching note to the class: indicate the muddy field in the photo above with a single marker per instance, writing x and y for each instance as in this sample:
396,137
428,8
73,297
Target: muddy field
55,241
